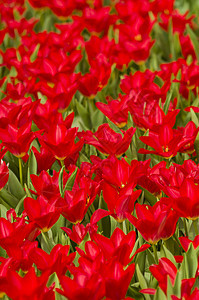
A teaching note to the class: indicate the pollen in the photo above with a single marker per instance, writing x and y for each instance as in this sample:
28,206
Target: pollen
138,37
87,200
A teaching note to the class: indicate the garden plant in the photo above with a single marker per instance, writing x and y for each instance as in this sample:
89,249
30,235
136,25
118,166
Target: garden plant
99,149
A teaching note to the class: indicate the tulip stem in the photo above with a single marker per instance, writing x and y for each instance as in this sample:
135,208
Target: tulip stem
195,226
155,253
20,171
176,239
121,225
185,227
62,163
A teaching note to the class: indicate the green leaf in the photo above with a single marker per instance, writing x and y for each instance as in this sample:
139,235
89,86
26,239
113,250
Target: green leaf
114,224
166,253
19,208
142,281
141,261
114,127
14,186
194,40
130,121
134,293
70,182
35,52
97,118
150,257
32,163
8,198
159,295
84,114
167,102
194,118
191,261
61,181
32,167
3,211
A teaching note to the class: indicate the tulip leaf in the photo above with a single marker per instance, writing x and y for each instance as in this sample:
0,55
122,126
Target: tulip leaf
166,253
194,40
134,293
84,114
32,163
3,212
114,224
190,261
19,208
142,281
194,118
34,54
160,295
150,257
14,186
167,102
178,284
32,168
46,243
8,198
61,181
70,182
141,261
130,121
97,118
114,127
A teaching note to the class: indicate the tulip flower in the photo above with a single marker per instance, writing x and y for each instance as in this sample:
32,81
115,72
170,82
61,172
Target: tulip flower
17,141
120,203
13,234
44,158
161,272
41,212
48,186
57,261
60,141
20,288
154,222
82,287
185,199
75,203
119,246
167,142
78,232
107,141
116,110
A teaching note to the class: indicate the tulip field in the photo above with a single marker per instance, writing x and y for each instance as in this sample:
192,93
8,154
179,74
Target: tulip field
99,149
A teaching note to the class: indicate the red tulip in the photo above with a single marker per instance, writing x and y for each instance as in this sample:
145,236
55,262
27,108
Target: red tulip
17,141
184,200
41,212
164,269
60,141
108,141
154,222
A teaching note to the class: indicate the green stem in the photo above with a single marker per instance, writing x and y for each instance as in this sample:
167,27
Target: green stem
121,225
185,227
62,163
155,253
176,239
168,163
20,171
195,226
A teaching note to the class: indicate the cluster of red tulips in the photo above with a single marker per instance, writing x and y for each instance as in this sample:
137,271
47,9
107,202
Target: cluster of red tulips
99,149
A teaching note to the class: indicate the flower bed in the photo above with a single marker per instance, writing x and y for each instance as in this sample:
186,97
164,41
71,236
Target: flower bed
99,149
